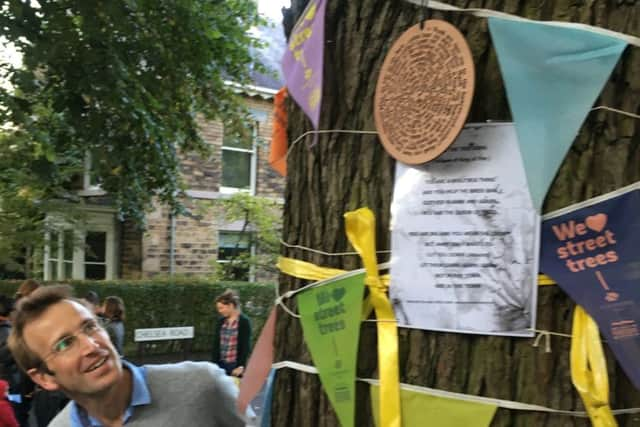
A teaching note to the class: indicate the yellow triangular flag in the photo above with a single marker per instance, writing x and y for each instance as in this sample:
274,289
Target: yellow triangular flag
439,411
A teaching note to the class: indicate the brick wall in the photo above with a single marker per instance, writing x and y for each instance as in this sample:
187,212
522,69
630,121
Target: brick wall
268,182
155,242
205,174
130,251
145,255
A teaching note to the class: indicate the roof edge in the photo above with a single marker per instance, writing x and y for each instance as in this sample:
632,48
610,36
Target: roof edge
251,90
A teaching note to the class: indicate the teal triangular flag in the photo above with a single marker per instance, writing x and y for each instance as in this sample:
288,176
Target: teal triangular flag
552,75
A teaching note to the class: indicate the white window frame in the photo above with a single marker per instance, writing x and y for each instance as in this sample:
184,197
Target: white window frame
97,221
257,117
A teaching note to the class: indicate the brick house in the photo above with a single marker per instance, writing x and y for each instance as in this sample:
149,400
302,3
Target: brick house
106,248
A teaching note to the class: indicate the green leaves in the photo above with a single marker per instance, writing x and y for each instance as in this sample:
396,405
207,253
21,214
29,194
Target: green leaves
262,226
126,80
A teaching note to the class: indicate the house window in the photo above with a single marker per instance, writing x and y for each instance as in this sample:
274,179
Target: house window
60,249
95,258
232,246
239,161
91,183
81,252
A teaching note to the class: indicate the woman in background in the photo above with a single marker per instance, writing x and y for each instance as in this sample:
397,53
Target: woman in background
113,312
231,335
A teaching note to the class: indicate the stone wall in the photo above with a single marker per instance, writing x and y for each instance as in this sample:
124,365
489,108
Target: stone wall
196,233
130,251
194,246
205,174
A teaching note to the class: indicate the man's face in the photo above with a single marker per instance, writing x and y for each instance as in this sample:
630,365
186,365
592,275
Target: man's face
89,366
224,310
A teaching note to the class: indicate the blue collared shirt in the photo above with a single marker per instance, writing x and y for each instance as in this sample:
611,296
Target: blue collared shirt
139,396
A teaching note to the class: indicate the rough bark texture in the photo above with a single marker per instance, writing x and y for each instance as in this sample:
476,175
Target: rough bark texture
343,172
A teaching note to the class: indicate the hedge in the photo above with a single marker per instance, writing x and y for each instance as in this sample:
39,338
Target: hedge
157,303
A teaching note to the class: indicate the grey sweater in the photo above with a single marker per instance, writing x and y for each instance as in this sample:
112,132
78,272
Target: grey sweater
189,394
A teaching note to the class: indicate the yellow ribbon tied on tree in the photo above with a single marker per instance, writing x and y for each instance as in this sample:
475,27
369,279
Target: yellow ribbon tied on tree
589,369
360,228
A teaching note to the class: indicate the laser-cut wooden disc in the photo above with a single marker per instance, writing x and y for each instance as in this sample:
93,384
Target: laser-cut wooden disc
424,92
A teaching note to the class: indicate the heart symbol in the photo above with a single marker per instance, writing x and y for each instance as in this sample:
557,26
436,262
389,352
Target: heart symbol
596,222
338,293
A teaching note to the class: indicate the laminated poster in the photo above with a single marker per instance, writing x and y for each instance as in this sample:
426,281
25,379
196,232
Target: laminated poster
465,238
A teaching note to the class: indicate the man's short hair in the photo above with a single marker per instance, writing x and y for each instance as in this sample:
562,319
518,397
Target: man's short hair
27,310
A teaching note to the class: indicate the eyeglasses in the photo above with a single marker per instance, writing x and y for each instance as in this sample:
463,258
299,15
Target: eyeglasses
63,345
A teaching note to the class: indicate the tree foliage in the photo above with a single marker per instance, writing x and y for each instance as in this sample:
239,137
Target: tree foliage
124,80
261,220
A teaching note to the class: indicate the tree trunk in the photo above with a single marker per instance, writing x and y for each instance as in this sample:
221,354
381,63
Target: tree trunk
343,172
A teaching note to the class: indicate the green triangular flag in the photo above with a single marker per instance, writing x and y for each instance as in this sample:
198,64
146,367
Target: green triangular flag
330,315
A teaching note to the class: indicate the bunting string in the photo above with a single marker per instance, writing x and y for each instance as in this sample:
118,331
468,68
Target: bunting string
323,131
502,403
373,132
317,251
543,280
615,110
546,335
306,270
488,13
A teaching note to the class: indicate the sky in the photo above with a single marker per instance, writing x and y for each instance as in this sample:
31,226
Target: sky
271,8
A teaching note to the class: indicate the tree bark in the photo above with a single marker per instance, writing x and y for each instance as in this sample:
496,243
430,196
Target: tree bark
343,172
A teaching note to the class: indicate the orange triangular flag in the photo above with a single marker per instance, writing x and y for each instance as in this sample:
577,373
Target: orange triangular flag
279,143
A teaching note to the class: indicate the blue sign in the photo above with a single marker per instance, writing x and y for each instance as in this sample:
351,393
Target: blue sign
592,250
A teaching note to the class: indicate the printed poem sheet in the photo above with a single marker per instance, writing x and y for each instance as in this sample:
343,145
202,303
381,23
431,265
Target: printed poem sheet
465,238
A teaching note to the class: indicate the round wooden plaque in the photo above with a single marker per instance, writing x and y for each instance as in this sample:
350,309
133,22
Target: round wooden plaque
424,92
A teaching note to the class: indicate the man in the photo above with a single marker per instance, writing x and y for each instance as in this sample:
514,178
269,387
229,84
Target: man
60,344
45,404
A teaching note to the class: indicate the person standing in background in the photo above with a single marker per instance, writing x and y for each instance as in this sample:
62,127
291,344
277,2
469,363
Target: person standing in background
26,288
10,375
113,313
7,418
26,387
93,300
231,335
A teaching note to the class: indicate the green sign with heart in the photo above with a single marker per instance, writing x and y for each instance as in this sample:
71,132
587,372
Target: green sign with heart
330,314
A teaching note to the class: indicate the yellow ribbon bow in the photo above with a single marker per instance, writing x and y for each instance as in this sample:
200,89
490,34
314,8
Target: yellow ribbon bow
589,369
